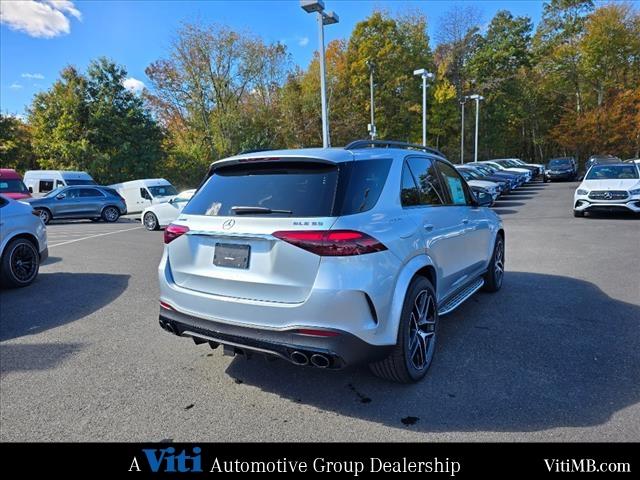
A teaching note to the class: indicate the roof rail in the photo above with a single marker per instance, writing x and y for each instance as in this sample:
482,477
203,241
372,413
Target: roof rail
356,144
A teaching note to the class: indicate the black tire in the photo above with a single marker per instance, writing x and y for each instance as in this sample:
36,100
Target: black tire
110,214
495,273
578,214
546,180
150,221
45,215
413,353
20,263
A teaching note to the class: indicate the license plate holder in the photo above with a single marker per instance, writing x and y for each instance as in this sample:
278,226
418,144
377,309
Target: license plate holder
231,255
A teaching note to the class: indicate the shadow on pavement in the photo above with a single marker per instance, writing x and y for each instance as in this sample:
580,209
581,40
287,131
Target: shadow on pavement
507,203
544,352
24,311
611,216
500,211
51,260
34,356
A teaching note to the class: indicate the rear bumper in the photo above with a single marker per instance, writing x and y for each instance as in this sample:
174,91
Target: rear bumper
340,350
44,254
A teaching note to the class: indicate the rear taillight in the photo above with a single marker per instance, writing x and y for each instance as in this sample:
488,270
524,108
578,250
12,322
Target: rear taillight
332,243
174,231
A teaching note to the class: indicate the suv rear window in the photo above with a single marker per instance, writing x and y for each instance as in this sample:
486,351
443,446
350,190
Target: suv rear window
304,188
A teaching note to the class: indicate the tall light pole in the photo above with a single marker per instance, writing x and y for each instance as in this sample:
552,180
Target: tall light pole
425,75
372,126
477,98
324,18
463,100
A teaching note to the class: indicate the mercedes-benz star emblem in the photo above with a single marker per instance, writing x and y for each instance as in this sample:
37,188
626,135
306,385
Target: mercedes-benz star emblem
228,224
607,196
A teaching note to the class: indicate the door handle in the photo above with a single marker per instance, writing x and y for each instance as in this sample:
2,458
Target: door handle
428,227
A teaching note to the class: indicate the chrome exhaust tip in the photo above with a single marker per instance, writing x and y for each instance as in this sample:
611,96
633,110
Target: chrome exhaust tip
299,358
320,361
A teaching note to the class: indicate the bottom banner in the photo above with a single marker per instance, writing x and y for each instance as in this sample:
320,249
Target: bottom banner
355,459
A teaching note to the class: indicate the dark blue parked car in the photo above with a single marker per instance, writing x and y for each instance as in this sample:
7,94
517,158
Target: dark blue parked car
93,202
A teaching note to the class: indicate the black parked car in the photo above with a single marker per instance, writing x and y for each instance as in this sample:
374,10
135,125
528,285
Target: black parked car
563,168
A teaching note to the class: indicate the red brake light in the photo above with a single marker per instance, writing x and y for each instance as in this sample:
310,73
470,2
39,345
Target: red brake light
174,231
165,305
332,243
316,333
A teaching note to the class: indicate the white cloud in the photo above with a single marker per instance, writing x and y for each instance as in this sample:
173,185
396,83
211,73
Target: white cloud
303,41
15,86
43,18
33,76
133,85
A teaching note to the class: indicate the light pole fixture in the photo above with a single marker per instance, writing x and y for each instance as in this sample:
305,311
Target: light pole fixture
477,98
463,100
371,128
425,75
324,18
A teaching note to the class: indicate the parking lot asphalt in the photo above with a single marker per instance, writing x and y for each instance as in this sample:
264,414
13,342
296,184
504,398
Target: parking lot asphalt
555,355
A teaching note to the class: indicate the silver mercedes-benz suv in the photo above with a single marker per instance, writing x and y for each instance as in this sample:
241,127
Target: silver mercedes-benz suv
329,257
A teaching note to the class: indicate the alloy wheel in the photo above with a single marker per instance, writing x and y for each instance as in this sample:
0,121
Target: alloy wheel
24,262
150,221
422,330
499,262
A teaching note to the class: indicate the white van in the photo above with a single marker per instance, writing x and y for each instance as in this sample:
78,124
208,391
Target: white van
40,182
139,194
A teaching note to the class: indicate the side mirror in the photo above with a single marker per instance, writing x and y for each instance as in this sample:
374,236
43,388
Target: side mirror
30,189
484,199
60,196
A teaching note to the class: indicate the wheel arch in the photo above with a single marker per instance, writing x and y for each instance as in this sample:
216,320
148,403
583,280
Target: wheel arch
27,236
419,266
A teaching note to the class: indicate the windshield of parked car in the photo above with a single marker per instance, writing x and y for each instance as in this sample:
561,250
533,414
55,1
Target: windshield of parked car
71,182
487,169
469,174
560,163
612,172
163,191
12,186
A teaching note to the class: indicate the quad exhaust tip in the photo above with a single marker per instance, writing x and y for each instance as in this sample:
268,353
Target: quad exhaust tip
319,361
299,358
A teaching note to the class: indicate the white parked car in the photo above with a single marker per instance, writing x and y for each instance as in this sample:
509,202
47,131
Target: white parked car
162,214
23,243
609,187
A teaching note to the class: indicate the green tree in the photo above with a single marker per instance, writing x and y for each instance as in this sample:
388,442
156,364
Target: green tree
92,122
217,94
15,144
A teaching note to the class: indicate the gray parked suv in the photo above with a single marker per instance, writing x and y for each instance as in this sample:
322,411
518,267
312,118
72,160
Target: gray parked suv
87,201
329,257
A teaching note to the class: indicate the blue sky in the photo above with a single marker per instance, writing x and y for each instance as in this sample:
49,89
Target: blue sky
37,41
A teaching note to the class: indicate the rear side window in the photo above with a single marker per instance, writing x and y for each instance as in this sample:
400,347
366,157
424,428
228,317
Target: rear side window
303,188
409,191
364,181
90,192
45,186
426,177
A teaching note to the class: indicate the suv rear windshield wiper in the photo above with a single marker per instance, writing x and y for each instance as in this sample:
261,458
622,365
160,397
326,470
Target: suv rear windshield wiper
244,210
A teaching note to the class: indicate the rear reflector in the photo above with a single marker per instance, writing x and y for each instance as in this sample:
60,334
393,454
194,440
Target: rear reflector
166,306
316,333
174,231
332,243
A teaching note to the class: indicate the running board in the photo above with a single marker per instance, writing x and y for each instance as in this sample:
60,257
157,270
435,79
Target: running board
456,300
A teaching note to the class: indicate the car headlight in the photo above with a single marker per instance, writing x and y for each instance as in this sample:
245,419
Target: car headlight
582,191
634,192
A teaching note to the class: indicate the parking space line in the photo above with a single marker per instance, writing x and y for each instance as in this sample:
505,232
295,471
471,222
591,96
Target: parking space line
93,236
